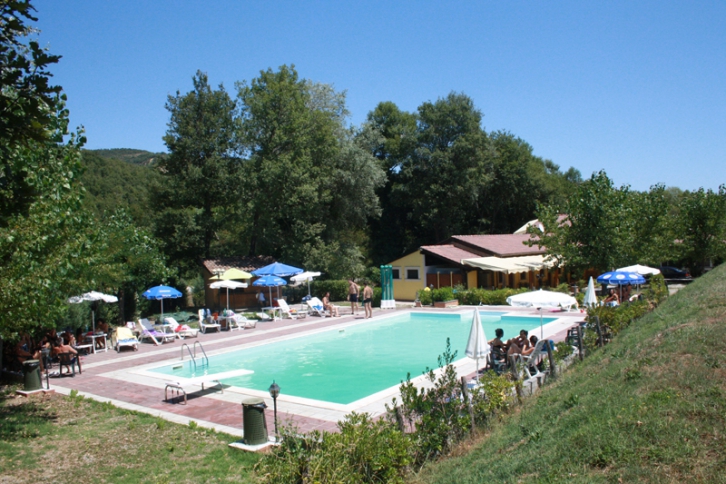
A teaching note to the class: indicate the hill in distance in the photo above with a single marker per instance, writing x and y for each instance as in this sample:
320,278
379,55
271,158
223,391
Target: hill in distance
113,182
132,156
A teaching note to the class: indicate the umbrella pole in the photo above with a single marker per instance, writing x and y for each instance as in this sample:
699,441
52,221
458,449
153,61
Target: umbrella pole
541,328
93,320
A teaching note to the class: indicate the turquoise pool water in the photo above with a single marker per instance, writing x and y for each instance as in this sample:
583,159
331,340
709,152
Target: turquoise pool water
345,365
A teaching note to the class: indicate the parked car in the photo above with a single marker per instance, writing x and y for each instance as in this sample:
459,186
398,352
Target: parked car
674,273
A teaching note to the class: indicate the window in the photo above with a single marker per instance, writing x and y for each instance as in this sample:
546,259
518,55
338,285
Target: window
412,273
396,271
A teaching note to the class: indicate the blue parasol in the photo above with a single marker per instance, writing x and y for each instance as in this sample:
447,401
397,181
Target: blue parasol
161,293
270,282
620,278
277,269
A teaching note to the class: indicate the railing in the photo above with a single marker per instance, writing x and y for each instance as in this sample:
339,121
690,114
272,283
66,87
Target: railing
203,352
190,355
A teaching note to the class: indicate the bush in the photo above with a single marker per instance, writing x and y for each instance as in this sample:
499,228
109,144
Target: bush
443,294
497,297
338,289
437,415
365,450
425,297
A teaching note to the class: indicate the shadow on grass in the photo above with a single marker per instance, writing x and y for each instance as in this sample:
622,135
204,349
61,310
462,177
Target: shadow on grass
30,420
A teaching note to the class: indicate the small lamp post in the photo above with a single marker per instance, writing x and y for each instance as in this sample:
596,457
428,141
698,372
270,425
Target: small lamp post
274,393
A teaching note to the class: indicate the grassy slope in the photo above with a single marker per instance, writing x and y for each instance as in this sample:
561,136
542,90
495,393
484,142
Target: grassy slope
53,438
650,407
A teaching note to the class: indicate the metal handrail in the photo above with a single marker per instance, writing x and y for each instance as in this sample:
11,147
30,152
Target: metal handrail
201,348
190,355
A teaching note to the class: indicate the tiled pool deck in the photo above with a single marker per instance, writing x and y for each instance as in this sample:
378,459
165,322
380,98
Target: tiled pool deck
120,377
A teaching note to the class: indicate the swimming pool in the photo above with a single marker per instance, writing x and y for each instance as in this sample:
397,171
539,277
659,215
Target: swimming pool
346,365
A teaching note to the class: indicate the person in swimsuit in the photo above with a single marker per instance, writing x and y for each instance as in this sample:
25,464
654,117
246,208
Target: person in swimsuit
353,291
328,306
368,300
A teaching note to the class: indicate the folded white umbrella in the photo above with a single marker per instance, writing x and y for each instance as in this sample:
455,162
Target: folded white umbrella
477,346
590,297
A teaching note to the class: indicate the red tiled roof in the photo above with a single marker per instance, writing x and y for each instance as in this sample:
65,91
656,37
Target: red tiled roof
449,252
247,264
500,245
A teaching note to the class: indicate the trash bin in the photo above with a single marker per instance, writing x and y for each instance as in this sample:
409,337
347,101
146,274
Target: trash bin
253,421
31,375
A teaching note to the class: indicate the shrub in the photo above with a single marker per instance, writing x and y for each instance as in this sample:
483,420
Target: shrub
443,294
425,297
365,450
338,289
497,297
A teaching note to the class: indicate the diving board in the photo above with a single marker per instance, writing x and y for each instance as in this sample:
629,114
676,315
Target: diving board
182,383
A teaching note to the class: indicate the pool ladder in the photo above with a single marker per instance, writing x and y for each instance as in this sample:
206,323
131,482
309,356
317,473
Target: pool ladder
193,354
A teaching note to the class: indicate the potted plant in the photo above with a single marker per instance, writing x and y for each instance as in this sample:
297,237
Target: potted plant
444,298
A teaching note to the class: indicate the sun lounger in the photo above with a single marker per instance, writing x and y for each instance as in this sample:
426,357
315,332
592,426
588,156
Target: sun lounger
263,316
316,307
241,322
209,323
123,337
285,310
183,385
181,331
148,331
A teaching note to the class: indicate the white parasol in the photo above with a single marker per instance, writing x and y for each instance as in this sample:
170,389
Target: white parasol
92,297
477,346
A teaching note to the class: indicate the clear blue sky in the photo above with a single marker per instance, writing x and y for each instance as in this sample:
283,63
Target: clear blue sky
635,88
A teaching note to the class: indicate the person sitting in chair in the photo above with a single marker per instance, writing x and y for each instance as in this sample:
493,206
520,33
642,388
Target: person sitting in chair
612,299
328,306
520,345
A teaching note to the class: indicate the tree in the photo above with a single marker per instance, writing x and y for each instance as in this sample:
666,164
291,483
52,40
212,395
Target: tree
701,228
393,133
202,174
46,240
310,184
596,227
602,227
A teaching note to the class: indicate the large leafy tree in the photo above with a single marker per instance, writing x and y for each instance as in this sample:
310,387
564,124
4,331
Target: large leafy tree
46,242
443,178
595,229
131,262
391,234
310,180
701,228
602,227
202,176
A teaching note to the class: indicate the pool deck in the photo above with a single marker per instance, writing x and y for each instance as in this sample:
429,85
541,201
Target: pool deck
120,378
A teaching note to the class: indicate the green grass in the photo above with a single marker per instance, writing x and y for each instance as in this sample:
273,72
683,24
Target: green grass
649,407
55,438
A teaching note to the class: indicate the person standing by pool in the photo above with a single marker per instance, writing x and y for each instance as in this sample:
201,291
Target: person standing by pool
353,291
261,299
368,300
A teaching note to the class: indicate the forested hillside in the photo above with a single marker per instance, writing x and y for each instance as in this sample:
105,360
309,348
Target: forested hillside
112,184
135,157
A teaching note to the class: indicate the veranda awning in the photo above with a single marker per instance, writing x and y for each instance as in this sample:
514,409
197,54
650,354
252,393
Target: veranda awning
509,264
